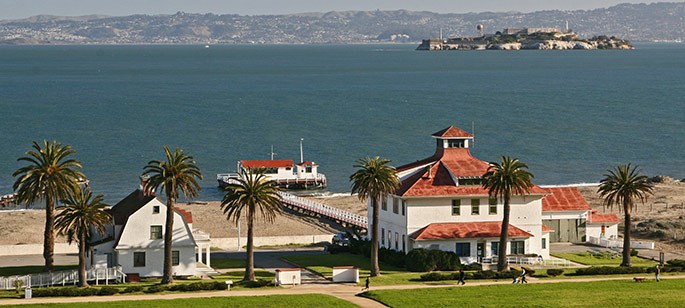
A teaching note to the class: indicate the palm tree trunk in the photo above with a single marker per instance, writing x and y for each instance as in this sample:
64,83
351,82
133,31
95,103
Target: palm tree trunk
375,269
168,238
49,235
502,264
626,236
249,266
82,279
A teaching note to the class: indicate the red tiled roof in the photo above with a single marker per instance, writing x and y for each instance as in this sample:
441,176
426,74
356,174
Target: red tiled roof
547,229
452,230
595,218
278,163
307,163
452,132
564,199
186,214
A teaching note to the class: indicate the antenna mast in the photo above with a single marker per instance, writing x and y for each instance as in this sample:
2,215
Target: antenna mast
473,132
272,152
301,151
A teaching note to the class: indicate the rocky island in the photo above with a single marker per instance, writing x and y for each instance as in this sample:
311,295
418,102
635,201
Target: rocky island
526,38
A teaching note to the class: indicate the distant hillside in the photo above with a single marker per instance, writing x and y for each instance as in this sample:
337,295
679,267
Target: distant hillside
635,22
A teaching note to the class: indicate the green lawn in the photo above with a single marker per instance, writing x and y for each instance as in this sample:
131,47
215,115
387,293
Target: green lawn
602,259
308,300
33,269
228,263
623,293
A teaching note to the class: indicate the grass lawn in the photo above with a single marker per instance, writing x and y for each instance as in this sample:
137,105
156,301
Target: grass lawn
307,300
390,275
33,269
623,293
228,263
588,258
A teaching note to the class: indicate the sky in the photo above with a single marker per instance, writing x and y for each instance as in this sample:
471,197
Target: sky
17,9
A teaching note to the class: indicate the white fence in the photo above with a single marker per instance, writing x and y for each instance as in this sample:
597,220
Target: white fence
619,243
63,278
325,210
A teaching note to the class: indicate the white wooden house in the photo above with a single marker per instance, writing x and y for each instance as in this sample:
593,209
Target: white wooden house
135,239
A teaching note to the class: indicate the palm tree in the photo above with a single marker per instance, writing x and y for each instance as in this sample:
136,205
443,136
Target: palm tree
621,187
374,179
502,180
252,192
81,215
178,174
50,175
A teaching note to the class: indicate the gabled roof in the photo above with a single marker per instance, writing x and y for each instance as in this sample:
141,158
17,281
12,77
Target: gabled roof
452,132
457,230
188,215
307,163
277,163
596,218
563,199
129,205
547,229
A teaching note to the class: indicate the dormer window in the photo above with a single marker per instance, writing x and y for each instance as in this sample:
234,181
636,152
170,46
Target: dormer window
455,143
155,209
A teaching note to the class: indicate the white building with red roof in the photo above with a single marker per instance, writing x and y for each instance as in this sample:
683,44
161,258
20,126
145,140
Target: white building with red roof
567,212
284,172
441,204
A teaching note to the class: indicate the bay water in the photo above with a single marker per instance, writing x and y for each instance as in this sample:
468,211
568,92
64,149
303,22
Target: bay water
570,115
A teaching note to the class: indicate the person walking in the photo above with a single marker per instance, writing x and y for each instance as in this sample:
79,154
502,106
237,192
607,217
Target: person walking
367,285
657,273
523,275
462,276
516,277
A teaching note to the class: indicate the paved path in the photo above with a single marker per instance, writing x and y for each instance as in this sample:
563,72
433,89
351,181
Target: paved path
343,291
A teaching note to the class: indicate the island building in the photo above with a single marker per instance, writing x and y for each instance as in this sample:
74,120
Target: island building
441,204
134,241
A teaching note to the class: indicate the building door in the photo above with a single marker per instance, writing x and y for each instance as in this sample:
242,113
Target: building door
480,250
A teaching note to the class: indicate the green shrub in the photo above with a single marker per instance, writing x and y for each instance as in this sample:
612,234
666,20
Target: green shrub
257,284
420,260
446,260
633,252
554,272
360,247
199,286
65,291
676,262
108,291
132,289
434,276
156,288
610,270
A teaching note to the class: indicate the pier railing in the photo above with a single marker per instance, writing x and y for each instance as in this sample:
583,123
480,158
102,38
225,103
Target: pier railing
325,210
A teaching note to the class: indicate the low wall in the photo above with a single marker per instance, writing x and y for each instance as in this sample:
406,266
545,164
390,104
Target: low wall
232,243
35,249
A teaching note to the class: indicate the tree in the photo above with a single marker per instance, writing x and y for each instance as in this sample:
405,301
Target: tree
178,174
51,175
251,192
621,187
374,179
81,215
502,180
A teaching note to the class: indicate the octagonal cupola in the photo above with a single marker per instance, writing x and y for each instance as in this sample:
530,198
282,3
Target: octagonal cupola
453,137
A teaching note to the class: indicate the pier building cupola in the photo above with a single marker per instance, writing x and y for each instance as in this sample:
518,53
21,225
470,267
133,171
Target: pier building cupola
452,138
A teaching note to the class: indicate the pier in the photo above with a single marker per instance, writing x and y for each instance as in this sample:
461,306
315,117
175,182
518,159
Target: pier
345,218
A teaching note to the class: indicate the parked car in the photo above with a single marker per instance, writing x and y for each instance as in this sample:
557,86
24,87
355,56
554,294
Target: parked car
341,239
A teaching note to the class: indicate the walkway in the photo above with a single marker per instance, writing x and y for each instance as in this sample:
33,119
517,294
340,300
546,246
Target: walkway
334,213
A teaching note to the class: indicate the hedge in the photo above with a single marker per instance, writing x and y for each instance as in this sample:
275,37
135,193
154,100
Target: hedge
554,272
73,291
426,260
435,276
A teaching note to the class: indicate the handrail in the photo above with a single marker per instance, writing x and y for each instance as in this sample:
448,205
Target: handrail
324,209
62,278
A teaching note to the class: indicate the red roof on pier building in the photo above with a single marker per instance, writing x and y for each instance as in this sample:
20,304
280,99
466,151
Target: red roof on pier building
277,163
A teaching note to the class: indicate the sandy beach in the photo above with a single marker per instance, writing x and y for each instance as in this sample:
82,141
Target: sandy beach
26,226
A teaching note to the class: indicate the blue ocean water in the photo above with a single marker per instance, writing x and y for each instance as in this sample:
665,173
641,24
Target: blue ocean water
569,114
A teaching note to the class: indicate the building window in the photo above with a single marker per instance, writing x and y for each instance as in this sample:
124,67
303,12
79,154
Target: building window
155,232
396,205
382,236
455,143
456,207
389,239
404,243
384,204
475,206
494,249
404,207
463,249
544,243
139,259
397,241
175,256
492,202
155,209
518,247
308,169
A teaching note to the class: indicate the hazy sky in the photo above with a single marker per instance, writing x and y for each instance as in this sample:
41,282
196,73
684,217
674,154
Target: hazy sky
15,9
